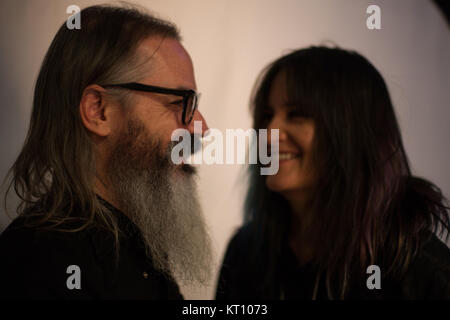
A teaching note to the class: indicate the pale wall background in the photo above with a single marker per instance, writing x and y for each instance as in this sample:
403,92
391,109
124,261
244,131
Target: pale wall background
230,42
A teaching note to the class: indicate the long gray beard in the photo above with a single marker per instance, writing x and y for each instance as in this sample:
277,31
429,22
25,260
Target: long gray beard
162,202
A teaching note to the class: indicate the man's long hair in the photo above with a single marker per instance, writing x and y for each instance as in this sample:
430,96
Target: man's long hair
367,207
54,172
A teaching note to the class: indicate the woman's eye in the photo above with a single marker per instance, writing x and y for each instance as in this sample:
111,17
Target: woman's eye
295,114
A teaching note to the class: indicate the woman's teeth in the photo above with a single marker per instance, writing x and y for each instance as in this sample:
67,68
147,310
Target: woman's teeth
287,156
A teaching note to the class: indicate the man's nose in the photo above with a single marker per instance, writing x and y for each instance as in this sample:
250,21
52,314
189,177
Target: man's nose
198,117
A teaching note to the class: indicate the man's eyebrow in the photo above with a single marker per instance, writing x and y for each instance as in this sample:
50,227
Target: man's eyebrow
184,88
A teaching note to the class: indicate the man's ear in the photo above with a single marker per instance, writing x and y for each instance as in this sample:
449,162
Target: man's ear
94,111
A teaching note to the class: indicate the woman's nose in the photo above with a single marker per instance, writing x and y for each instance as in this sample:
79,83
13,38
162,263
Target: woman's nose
276,123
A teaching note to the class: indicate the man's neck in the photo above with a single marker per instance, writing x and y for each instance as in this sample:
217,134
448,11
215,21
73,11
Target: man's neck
102,191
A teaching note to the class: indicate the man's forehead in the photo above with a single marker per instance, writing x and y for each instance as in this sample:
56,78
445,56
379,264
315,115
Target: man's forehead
171,64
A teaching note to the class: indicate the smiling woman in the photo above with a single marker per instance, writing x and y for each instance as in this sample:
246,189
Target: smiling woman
295,139
344,200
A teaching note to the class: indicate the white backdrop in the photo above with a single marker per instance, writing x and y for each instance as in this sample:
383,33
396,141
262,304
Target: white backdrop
230,42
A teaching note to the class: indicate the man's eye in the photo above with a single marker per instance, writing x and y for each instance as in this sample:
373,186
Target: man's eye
177,102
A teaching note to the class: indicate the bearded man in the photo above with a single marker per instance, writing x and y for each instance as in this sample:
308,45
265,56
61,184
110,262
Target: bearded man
104,212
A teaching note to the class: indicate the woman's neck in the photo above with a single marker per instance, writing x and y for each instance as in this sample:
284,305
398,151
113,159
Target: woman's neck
301,233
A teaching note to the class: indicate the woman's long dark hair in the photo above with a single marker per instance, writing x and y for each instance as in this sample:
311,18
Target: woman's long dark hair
368,208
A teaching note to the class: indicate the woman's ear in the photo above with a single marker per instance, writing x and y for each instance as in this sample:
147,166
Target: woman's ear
93,111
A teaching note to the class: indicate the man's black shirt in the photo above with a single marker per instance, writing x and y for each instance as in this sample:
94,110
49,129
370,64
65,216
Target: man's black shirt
34,264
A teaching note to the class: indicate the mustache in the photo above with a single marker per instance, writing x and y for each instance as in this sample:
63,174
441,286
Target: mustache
196,143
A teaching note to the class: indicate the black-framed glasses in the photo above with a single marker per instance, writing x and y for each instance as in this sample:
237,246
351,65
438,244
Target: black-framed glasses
190,97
